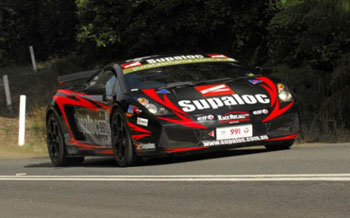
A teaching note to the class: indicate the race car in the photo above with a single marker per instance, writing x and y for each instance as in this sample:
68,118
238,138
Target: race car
168,104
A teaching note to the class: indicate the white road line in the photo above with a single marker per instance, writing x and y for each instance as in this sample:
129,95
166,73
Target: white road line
185,178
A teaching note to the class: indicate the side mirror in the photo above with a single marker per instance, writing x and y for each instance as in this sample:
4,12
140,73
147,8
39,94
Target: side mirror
98,89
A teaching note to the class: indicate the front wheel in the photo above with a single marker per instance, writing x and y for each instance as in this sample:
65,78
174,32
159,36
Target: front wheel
279,145
122,145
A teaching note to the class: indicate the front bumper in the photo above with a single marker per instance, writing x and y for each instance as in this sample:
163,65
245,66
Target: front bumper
172,137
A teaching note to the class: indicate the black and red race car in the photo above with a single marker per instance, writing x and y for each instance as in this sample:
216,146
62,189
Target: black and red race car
160,105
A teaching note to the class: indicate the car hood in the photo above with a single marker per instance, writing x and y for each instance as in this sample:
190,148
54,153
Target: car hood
238,95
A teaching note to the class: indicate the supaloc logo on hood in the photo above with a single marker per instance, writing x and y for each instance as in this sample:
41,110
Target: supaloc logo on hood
222,101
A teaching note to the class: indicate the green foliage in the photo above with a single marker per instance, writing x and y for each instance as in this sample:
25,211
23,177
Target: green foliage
48,25
313,31
311,39
143,27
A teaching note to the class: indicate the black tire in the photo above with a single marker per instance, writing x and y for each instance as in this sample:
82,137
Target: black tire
56,145
279,145
122,144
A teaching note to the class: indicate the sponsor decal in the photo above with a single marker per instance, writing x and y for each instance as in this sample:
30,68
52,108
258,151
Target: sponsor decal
130,65
260,112
163,91
177,61
214,90
133,109
218,102
142,121
233,132
217,56
145,146
235,141
65,97
174,58
255,81
206,117
234,116
93,126
212,133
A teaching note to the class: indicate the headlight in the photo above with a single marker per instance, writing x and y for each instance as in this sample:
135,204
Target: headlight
152,108
283,93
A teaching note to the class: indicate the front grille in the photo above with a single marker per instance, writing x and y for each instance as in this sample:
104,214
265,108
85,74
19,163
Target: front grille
179,136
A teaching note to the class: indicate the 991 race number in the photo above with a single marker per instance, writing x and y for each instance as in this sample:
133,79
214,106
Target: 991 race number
233,132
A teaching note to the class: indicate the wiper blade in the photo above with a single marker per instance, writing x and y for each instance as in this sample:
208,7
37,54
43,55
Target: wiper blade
226,79
177,85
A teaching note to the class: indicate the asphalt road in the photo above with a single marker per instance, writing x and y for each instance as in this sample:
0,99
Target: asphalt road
306,181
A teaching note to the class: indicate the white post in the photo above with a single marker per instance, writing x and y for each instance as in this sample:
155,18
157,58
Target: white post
31,50
7,92
22,120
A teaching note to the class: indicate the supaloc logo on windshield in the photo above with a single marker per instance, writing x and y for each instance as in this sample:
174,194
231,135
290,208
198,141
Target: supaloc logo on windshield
214,90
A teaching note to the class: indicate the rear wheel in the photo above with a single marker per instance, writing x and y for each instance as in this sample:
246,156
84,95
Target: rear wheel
122,145
56,145
279,145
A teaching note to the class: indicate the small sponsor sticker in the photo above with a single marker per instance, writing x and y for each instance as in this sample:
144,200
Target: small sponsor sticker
129,65
145,146
214,90
234,116
217,56
142,121
130,111
205,117
212,133
133,109
260,112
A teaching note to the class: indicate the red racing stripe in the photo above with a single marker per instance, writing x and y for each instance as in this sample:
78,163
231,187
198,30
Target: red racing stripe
185,121
283,138
270,87
108,151
137,128
173,150
165,101
77,100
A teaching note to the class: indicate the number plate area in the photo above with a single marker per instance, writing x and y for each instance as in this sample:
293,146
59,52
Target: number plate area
234,132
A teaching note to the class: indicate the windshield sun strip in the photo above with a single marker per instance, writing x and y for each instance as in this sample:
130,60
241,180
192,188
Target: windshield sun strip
176,62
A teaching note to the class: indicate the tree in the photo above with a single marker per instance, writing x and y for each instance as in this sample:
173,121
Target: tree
143,27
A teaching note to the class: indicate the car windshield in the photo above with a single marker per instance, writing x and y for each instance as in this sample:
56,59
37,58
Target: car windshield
184,75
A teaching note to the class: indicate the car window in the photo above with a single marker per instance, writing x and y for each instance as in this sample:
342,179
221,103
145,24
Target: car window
197,72
105,78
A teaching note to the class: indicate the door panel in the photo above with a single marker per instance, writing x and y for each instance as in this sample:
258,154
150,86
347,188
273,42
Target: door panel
93,123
